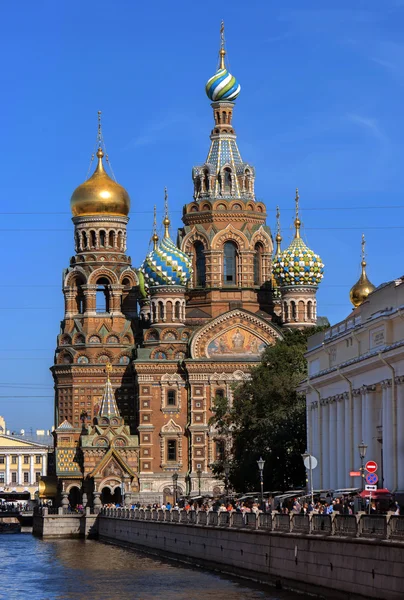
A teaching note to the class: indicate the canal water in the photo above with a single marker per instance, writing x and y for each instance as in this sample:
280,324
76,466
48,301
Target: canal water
33,569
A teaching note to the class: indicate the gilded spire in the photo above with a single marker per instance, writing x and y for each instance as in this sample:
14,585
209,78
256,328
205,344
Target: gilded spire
108,406
278,238
363,287
222,51
297,220
166,220
155,237
99,134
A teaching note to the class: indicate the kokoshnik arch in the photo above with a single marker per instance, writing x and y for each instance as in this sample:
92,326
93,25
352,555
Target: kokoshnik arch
178,331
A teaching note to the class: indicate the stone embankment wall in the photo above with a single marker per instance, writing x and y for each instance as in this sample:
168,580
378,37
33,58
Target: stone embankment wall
60,524
316,556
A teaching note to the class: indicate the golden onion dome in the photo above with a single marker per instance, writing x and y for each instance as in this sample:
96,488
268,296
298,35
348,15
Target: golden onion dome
362,288
100,195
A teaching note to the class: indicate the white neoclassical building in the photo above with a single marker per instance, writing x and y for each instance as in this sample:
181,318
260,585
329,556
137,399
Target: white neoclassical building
355,391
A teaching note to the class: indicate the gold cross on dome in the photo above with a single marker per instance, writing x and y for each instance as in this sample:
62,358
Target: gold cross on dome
108,369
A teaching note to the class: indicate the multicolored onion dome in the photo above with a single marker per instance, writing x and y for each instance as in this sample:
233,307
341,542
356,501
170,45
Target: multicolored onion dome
223,86
298,265
166,265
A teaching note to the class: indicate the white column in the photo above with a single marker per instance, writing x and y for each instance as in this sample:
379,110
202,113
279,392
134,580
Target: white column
387,421
332,442
325,449
341,479
31,469
400,434
370,423
44,462
315,442
19,475
357,418
349,460
7,479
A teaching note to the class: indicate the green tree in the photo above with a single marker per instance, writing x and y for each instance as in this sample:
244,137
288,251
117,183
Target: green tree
268,419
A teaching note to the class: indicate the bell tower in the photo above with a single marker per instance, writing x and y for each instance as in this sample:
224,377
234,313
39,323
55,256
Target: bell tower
99,287
225,229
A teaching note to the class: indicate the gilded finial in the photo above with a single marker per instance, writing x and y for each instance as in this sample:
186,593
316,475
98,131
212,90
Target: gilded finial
108,369
222,51
363,287
278,237
297,220
99,136
155,237
166,220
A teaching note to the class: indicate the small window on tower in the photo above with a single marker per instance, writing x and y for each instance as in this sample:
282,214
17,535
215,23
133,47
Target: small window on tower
171,398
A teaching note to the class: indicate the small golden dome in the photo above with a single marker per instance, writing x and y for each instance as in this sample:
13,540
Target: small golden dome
100,195
362,288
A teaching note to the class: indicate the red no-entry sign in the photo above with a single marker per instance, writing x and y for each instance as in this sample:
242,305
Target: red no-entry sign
371,466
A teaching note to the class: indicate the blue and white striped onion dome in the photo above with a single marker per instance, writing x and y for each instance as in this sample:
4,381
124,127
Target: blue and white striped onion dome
223,86
298,265
166,265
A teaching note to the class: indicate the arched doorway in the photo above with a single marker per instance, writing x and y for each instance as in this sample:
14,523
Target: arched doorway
168,495
109,496
74,496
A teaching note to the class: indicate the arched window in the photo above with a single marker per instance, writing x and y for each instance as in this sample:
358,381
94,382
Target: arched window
102,238
227,180
177,310
197,187
229,263
200,265
171,450
93,239
286,311
293,310
119,240
154,309
258,264
309,310
85,243
102,296
111,239
300,311
161,310
169,311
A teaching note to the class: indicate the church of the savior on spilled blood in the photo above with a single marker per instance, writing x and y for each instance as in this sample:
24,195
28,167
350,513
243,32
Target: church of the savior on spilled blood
143,352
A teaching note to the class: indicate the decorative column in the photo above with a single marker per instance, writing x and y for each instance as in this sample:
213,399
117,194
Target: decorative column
400,433
89,292
325,450
314,446
44,463
369,423
349,460
7,480
332,442
31,469
387,422
19,475
357,421
342,475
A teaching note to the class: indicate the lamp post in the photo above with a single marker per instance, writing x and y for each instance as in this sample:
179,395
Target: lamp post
261,463
199,474
175,482
306,456
362,453
226,479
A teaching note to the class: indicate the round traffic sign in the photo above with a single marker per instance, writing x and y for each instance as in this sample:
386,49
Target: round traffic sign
310,459
371,466
372,478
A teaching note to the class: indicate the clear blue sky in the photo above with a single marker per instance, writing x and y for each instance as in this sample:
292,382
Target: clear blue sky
321,108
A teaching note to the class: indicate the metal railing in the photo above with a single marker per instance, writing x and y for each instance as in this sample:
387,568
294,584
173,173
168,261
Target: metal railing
353,526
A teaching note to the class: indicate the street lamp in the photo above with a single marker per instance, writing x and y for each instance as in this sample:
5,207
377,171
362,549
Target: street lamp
226,479
261,463
175,482
199,474
362,453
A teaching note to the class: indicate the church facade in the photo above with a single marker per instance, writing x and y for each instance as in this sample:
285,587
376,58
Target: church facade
143,352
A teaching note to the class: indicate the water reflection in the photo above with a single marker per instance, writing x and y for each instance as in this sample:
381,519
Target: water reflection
84,570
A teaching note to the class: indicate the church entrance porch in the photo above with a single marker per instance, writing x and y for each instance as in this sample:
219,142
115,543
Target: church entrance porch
111,496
